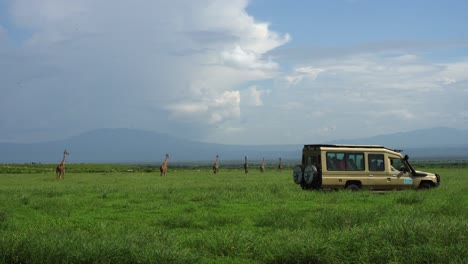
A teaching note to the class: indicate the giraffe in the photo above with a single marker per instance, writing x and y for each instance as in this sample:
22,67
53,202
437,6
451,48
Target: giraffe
280,165
262,166
216,165
246,165
60,170
163,167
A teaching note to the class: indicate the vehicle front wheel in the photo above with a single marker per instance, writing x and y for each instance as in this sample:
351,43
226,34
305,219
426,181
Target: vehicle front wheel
425,186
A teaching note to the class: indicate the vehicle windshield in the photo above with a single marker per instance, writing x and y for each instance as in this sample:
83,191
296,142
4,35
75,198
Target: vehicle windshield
398,165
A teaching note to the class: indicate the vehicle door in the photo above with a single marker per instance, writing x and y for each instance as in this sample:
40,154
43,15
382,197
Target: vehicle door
379,177
400,174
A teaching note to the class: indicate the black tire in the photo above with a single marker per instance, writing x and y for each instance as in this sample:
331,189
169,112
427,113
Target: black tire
310,173
352,187
425,186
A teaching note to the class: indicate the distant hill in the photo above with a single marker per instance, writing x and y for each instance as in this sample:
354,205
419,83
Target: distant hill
130,146
137,146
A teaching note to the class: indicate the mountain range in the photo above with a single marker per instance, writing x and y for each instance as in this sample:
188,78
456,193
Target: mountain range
138,146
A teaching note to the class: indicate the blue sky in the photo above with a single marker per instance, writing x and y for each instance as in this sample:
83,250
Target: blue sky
341,22
235,72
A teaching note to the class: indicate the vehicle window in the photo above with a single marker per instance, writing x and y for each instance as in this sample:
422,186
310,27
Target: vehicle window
333,163
396,164
376,162
343,161
355,161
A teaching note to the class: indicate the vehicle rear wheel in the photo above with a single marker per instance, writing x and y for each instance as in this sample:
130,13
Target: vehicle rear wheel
352,187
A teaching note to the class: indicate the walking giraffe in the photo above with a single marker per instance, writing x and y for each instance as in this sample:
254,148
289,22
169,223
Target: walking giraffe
216,165
60,170
280,165
163,167
262,166
246,165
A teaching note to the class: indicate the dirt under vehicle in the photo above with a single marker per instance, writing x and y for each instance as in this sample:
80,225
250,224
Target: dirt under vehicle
354,167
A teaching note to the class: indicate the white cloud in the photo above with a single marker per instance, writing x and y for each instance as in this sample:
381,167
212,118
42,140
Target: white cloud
188,108
407,58
293,79
454,72
211,111
253,96
300,73
447,80
226,107
240,58
313,72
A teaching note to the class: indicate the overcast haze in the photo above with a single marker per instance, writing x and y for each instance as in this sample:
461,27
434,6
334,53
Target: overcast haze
234,72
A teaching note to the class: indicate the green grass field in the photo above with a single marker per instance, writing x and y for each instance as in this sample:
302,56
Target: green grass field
129,214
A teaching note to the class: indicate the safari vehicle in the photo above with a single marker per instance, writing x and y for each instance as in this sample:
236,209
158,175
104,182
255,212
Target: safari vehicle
354,167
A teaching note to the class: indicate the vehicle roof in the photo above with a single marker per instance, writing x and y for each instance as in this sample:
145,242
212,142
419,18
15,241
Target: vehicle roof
349,146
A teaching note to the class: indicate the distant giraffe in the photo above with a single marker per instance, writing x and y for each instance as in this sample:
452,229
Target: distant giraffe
163,167
60,170
262,166
280,165
216,165
246,165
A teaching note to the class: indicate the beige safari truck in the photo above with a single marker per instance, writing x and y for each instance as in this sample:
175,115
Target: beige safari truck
355,167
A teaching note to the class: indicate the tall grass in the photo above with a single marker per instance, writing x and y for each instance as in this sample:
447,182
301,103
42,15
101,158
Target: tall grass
194,216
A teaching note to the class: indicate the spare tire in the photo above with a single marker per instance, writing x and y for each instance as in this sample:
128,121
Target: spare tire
310,173
297,174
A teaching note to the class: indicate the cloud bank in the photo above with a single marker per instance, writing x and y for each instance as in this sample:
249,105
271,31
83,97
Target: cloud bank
145,64
208,70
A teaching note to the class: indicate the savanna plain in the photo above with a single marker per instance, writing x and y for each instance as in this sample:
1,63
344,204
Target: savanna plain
104,213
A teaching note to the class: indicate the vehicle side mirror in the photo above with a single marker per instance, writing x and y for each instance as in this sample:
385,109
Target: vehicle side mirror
403,169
